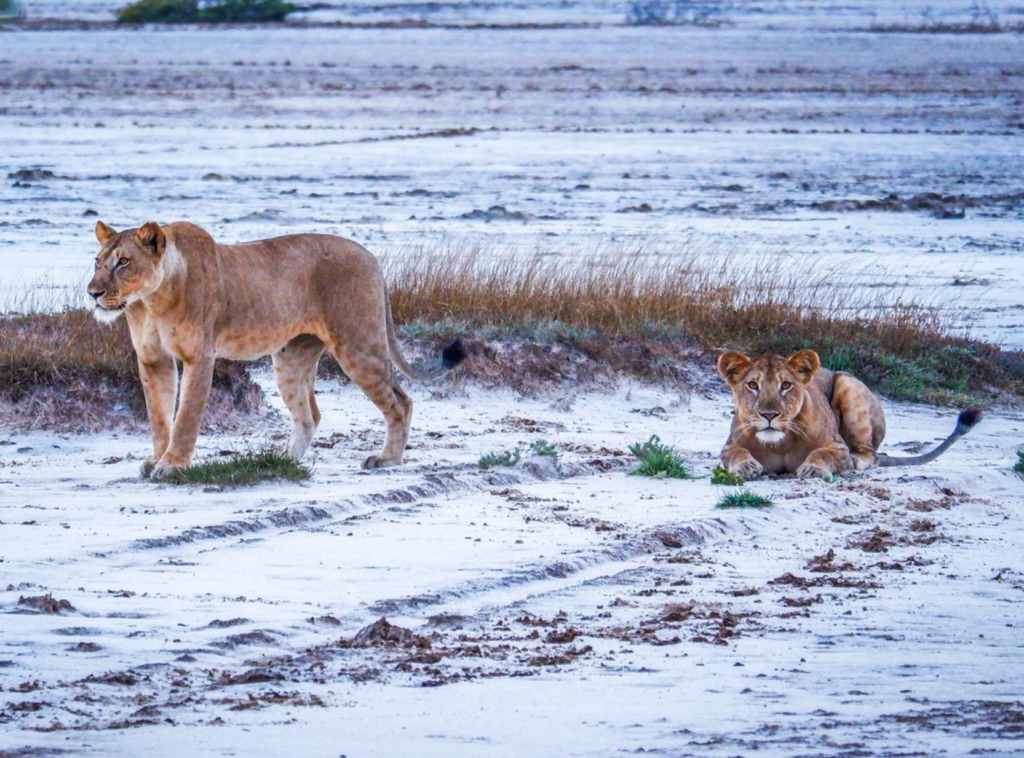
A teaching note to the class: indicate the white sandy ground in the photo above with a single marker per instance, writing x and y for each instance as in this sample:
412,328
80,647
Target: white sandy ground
925,659
575,125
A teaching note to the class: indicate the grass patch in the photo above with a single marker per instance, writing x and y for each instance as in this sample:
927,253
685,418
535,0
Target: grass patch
721,475
1019,465
743,499
506,458
644,313
191,11
544,449
242,470
658,460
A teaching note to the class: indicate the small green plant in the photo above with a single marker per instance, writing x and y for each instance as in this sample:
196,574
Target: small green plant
743,499
190,11
1019,465
658,460
242,469
544,448
721,475
506,458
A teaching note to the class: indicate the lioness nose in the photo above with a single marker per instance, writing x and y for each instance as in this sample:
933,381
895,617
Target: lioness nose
768,416
96,294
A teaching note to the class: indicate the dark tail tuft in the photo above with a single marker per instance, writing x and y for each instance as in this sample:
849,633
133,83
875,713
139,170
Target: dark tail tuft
455,353
967,420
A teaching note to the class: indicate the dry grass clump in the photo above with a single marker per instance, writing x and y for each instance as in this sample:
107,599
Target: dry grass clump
641,313
65,371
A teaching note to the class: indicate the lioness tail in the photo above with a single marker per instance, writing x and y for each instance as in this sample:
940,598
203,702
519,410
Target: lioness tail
968,419
396,351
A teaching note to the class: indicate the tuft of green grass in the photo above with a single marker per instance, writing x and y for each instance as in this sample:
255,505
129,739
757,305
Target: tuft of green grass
506,458
242,470
190,11
658,460
1019,465
543,448
721,475
743,499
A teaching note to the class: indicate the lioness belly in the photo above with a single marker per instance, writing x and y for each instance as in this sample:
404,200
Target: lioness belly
250,345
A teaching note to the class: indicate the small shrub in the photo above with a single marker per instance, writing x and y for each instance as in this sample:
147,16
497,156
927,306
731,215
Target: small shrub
1019,465
544,448
658,460
191,11
243,469
722,475
507,458
10,9
672,13
743,499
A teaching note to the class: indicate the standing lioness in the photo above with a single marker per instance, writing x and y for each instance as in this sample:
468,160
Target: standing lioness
792,416
188,298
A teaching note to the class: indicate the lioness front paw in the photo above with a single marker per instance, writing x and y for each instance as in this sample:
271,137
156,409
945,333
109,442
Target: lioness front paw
146,469
748,469
375,461
811,470
864,461
166,467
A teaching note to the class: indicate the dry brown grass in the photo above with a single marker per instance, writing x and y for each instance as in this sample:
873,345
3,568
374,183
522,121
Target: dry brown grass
642,312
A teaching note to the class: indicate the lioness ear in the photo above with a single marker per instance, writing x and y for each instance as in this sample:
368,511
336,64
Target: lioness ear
733,365
104,233
804,364
152,236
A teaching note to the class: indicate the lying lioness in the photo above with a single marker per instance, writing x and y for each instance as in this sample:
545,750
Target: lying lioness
188,298
792,417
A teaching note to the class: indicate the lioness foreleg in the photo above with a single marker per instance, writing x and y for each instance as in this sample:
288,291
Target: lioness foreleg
159,377
197,377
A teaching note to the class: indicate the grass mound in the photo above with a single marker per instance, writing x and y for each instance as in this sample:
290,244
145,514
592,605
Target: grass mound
190,11
65,371
242,470
743,499
643,314
1019,465
658,460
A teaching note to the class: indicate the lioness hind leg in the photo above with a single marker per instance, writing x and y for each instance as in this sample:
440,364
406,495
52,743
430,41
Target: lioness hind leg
861,420
295,369
373,374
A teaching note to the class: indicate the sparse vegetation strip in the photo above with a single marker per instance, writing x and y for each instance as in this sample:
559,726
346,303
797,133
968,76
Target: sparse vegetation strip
539,322
191,11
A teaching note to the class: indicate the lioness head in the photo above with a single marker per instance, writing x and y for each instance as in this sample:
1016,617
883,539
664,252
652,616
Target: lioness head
768,392
127,268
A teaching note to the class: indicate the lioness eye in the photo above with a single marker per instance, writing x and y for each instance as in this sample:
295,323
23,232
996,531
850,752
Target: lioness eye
787,385
123,262
752,385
